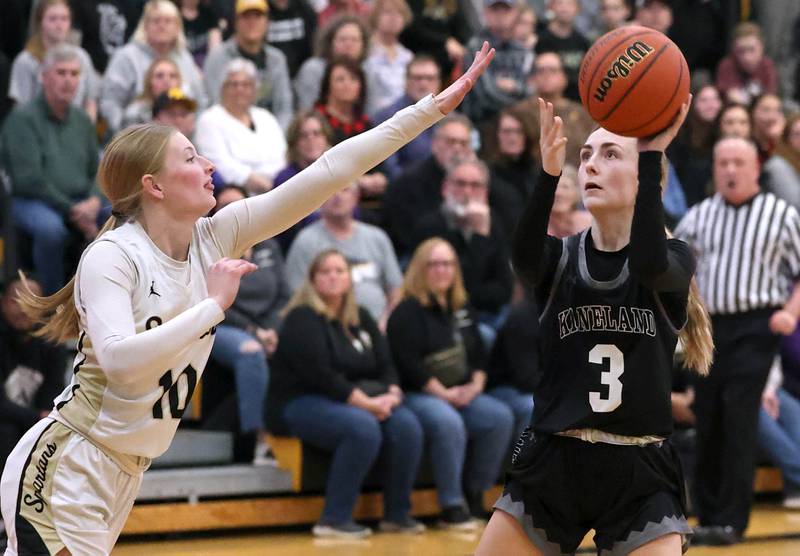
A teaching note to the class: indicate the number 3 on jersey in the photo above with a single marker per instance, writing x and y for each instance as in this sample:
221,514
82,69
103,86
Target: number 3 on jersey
616,366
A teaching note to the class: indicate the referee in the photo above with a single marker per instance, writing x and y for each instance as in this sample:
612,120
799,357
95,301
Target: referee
748,250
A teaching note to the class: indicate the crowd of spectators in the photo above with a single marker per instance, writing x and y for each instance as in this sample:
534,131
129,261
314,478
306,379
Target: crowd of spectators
388,323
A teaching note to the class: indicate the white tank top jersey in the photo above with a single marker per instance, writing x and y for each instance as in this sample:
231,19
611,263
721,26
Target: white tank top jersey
146,324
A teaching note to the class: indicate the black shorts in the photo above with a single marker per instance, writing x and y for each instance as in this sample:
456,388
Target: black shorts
560,487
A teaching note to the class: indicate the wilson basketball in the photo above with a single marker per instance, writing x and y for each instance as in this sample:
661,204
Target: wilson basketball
633,81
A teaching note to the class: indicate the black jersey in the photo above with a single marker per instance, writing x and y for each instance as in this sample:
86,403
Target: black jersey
606,352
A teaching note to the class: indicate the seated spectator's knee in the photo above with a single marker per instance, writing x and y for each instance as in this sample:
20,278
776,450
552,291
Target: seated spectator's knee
53,232
449,423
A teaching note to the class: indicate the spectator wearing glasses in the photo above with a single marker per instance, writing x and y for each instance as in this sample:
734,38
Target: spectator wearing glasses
422,78
466,221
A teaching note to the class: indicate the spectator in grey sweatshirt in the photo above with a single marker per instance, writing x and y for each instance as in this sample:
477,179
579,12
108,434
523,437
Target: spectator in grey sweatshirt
248,42
159,34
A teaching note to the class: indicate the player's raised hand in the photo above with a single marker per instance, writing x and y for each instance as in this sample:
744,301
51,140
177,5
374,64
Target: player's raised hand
451,97
224,277
552,142
661,140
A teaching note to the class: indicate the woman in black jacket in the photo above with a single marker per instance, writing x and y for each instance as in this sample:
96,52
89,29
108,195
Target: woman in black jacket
437,348
334,386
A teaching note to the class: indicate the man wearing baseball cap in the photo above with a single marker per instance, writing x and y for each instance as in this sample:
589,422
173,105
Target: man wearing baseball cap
248,41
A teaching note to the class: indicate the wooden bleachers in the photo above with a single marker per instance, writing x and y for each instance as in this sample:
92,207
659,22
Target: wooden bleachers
298,506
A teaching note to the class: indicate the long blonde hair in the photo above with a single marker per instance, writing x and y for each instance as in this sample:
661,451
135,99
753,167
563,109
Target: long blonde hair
698,343
415,282
696,336
35,45
307,296
151,8
132,153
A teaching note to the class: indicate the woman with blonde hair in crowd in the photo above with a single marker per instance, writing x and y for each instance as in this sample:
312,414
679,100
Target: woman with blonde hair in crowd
52,20
441,360
162,75
158,35
335,387
144,303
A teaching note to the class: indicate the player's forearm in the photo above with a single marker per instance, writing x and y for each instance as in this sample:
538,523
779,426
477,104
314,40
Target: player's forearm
529,243
129,359
648,245
263,216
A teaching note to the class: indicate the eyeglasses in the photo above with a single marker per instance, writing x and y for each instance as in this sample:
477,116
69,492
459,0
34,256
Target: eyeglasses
456,142
423,77
511,130
240,84
310,134
443,263
463,184
547,69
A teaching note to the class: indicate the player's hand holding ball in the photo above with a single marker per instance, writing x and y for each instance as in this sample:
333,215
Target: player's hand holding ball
660,141
552,142
224,277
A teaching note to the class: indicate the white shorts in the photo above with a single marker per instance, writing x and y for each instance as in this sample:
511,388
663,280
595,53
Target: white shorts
60,491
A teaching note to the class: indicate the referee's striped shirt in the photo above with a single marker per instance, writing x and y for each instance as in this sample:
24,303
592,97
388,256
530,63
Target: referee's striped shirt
748,256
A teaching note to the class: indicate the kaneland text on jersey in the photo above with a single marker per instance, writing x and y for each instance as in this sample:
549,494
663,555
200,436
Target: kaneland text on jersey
587,318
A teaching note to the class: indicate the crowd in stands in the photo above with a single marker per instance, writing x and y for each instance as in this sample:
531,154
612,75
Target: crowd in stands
388,323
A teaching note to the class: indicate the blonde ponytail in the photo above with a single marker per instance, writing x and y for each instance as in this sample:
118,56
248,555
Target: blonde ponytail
698,343
55,312
695,336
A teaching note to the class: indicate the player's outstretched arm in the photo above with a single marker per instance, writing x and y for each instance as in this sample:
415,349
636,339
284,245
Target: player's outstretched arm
245,223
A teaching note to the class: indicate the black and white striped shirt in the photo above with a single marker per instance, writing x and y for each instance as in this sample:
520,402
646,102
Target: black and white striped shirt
748,256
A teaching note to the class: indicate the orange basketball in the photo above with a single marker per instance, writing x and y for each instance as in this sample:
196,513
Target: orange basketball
633,81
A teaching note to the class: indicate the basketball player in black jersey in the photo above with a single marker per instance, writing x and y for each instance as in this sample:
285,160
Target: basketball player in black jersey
614,298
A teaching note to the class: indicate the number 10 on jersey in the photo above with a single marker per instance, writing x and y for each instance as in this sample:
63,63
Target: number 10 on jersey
616,366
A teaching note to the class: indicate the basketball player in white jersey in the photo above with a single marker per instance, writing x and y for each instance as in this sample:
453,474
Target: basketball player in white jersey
144,302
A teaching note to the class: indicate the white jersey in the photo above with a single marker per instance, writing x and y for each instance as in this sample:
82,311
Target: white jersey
146,322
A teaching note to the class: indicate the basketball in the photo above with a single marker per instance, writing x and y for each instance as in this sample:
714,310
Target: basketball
633,81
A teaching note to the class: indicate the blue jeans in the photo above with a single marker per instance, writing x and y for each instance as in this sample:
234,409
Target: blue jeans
520,403
357,438
781,440
50,235
486,422
250,371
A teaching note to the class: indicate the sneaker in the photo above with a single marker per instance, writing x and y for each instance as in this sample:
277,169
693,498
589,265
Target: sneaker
263,454
406,525
715,535
456,518
792,502
347,530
